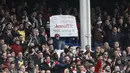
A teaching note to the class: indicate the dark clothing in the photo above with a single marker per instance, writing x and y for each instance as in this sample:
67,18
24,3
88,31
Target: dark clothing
2,61
60,67
39,61
123,28
14,33
58,44
42,39
107,30
98,36
115,37
47,66
41,23
8,39
31,71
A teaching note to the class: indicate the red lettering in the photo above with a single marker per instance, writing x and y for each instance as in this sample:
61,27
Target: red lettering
64,26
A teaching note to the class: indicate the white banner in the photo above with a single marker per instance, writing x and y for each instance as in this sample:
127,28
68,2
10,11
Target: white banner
64,25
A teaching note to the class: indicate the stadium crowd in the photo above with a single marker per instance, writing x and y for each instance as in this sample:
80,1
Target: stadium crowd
26,46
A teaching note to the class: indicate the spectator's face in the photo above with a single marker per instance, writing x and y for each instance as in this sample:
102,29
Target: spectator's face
117,68
9,26
25,63
124,53
42,71
48,71
6,70
102,50
43,47
106,45
22,68
40,16
11,17
36,32
12,66
108,18
24,13
99,18
98,50
74,65
71,49
82,68
92,69
2,12
10,59
87,48
128,49
120,21
115,30
67,58
116,44
16,28
2,41
4,55
108,69
4,47
114,20
20,55
21,37
21,26
31,65
48,59
34,14
119,62
106,54
107,22
13,54
41,55
50,41
62,54
9,55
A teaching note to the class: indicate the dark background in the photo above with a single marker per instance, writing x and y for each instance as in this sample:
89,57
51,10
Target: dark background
104,4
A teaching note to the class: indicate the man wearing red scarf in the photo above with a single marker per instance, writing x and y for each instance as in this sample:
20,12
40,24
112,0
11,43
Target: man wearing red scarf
47,64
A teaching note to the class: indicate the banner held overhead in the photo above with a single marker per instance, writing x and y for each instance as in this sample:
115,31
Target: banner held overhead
64,25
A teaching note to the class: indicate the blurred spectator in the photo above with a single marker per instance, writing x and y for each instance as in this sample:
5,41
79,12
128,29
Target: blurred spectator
26,45
58,43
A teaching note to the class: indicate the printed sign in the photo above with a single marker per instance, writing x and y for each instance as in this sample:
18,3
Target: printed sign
64,25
